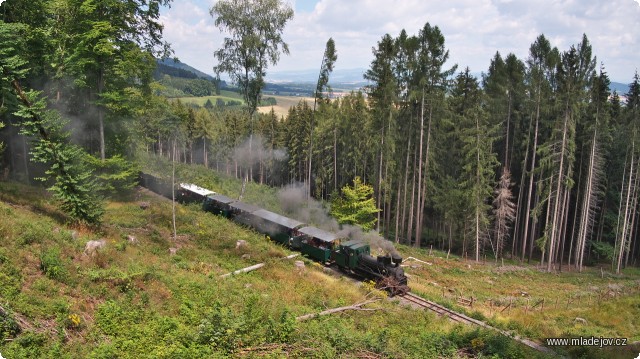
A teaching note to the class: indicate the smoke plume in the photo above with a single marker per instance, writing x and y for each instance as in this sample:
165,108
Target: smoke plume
295,204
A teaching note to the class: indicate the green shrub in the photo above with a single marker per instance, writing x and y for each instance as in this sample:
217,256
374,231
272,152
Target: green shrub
34,232
8,325
52,265
115,175
281,331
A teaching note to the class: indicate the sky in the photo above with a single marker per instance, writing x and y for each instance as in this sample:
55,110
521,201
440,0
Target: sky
473,30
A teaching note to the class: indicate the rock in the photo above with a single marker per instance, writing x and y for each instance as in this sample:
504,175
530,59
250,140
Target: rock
246,256
92,246
615,287
144,205
241,243
299,266
173,251
524,294
132,239
248,285
580,320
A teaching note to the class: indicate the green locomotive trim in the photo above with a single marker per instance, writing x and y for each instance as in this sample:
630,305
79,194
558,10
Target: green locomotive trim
349,252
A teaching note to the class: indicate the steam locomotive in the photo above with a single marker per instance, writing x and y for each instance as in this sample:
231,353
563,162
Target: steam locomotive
351,256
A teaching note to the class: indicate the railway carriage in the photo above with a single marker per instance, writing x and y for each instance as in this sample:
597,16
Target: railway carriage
218,204
279,228
190,193
241,212
157,185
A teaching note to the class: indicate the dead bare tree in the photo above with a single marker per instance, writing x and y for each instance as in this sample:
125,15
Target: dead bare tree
628,191
504,210
590,199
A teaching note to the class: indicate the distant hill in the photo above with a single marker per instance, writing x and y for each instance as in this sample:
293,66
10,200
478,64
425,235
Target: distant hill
186,69
276,79
619,87
339,76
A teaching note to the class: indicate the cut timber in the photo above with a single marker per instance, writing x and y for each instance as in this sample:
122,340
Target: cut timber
253,267
357,306
417,260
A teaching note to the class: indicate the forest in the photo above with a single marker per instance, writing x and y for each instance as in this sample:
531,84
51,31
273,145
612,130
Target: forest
534,161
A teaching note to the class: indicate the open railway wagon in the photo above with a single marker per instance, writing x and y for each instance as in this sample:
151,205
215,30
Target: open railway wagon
316,243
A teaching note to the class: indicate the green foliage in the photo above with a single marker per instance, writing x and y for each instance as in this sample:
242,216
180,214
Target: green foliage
227,331
328,61
602,250
34,233
187,87
52,264
255,28
8,325
484,342
282,330
220,329
114,175
73,184
356,205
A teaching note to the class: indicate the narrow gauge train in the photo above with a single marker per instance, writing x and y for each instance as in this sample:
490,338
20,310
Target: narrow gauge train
352,256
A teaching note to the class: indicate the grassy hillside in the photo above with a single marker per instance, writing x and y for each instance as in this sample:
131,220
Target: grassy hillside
135,299
148,295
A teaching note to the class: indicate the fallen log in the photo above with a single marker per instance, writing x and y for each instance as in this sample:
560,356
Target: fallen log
357,306
253,267
417,260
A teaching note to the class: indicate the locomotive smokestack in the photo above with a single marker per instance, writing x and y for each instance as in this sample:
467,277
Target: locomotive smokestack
396,259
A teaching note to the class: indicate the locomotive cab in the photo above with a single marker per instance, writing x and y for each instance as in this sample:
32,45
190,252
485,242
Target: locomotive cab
349,252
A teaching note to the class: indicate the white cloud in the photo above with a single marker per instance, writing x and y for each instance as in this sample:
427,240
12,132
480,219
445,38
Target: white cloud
473,29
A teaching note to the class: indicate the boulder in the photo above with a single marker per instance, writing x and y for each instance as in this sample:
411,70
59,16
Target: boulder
579,320
241,243
92,246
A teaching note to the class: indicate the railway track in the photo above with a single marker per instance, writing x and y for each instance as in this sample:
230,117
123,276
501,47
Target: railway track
439,309
461,318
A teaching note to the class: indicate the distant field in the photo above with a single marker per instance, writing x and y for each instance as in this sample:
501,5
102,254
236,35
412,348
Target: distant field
284,103
281,109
